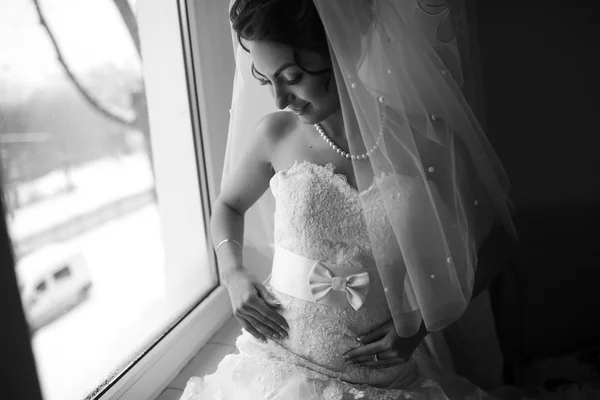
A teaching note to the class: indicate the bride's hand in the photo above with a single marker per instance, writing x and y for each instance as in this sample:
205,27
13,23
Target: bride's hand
390,348
254,306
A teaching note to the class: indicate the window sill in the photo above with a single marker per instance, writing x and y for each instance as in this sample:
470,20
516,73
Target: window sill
150,376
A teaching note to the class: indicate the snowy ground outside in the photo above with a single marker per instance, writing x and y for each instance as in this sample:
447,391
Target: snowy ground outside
97,183
128,304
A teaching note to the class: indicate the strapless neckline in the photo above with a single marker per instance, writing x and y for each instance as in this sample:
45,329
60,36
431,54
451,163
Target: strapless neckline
329,169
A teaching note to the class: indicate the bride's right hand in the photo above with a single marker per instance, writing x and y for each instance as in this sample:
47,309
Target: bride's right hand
254,306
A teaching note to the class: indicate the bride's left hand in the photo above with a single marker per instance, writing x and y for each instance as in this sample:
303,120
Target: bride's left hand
390,348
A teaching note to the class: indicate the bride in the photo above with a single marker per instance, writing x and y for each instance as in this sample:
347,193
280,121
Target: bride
384,188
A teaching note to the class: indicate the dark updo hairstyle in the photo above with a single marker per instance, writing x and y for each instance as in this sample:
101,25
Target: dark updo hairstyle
295,23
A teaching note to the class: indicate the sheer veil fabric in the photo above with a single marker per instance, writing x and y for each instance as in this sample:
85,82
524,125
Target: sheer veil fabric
440,180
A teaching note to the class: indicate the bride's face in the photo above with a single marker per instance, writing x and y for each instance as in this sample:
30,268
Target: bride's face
311,96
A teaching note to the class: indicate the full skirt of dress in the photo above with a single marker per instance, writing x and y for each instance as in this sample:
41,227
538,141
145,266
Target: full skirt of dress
308,364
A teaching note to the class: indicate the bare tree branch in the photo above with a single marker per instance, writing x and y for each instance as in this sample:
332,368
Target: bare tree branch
138,98
82,90
129,19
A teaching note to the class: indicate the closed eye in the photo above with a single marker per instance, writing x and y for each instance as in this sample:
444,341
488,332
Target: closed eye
260,77
294,81
289,83
263,81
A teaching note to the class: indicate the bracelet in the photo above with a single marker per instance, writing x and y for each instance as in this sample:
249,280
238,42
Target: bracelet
227,241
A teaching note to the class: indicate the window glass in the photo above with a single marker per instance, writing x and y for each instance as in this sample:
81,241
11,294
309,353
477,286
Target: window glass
84,213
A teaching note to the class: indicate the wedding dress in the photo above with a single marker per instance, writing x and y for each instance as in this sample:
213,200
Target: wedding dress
320,216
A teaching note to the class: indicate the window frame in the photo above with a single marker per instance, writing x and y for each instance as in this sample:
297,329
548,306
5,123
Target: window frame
161,364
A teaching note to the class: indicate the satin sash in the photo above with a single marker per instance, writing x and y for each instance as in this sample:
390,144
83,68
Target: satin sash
335,285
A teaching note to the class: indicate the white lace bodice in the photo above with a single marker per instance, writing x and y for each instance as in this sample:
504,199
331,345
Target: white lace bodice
320,216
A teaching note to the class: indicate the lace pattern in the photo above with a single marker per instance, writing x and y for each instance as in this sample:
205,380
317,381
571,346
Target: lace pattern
320,216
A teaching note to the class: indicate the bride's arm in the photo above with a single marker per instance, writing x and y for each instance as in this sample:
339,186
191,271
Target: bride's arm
240,190
253,305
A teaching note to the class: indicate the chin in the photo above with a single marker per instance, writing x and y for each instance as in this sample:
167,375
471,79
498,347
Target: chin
310,118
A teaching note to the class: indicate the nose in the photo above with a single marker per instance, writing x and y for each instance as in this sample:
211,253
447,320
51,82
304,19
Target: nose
282,97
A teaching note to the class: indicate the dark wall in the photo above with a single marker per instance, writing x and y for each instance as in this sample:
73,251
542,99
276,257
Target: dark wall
541,75
541,81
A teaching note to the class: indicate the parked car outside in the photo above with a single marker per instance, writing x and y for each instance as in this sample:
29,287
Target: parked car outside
52,281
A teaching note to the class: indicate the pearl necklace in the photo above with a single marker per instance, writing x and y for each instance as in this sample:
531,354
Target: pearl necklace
346,153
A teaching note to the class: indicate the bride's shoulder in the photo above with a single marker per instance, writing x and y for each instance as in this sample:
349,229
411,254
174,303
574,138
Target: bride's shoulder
267,137
274,127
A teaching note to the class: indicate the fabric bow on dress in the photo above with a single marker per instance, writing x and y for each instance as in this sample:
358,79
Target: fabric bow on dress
322,281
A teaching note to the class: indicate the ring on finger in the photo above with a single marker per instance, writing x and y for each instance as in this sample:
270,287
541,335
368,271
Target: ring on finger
375,358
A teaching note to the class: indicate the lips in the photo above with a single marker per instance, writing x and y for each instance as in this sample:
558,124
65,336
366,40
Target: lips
299,111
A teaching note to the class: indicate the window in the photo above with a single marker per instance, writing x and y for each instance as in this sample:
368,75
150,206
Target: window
62,273
108,175
40,287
